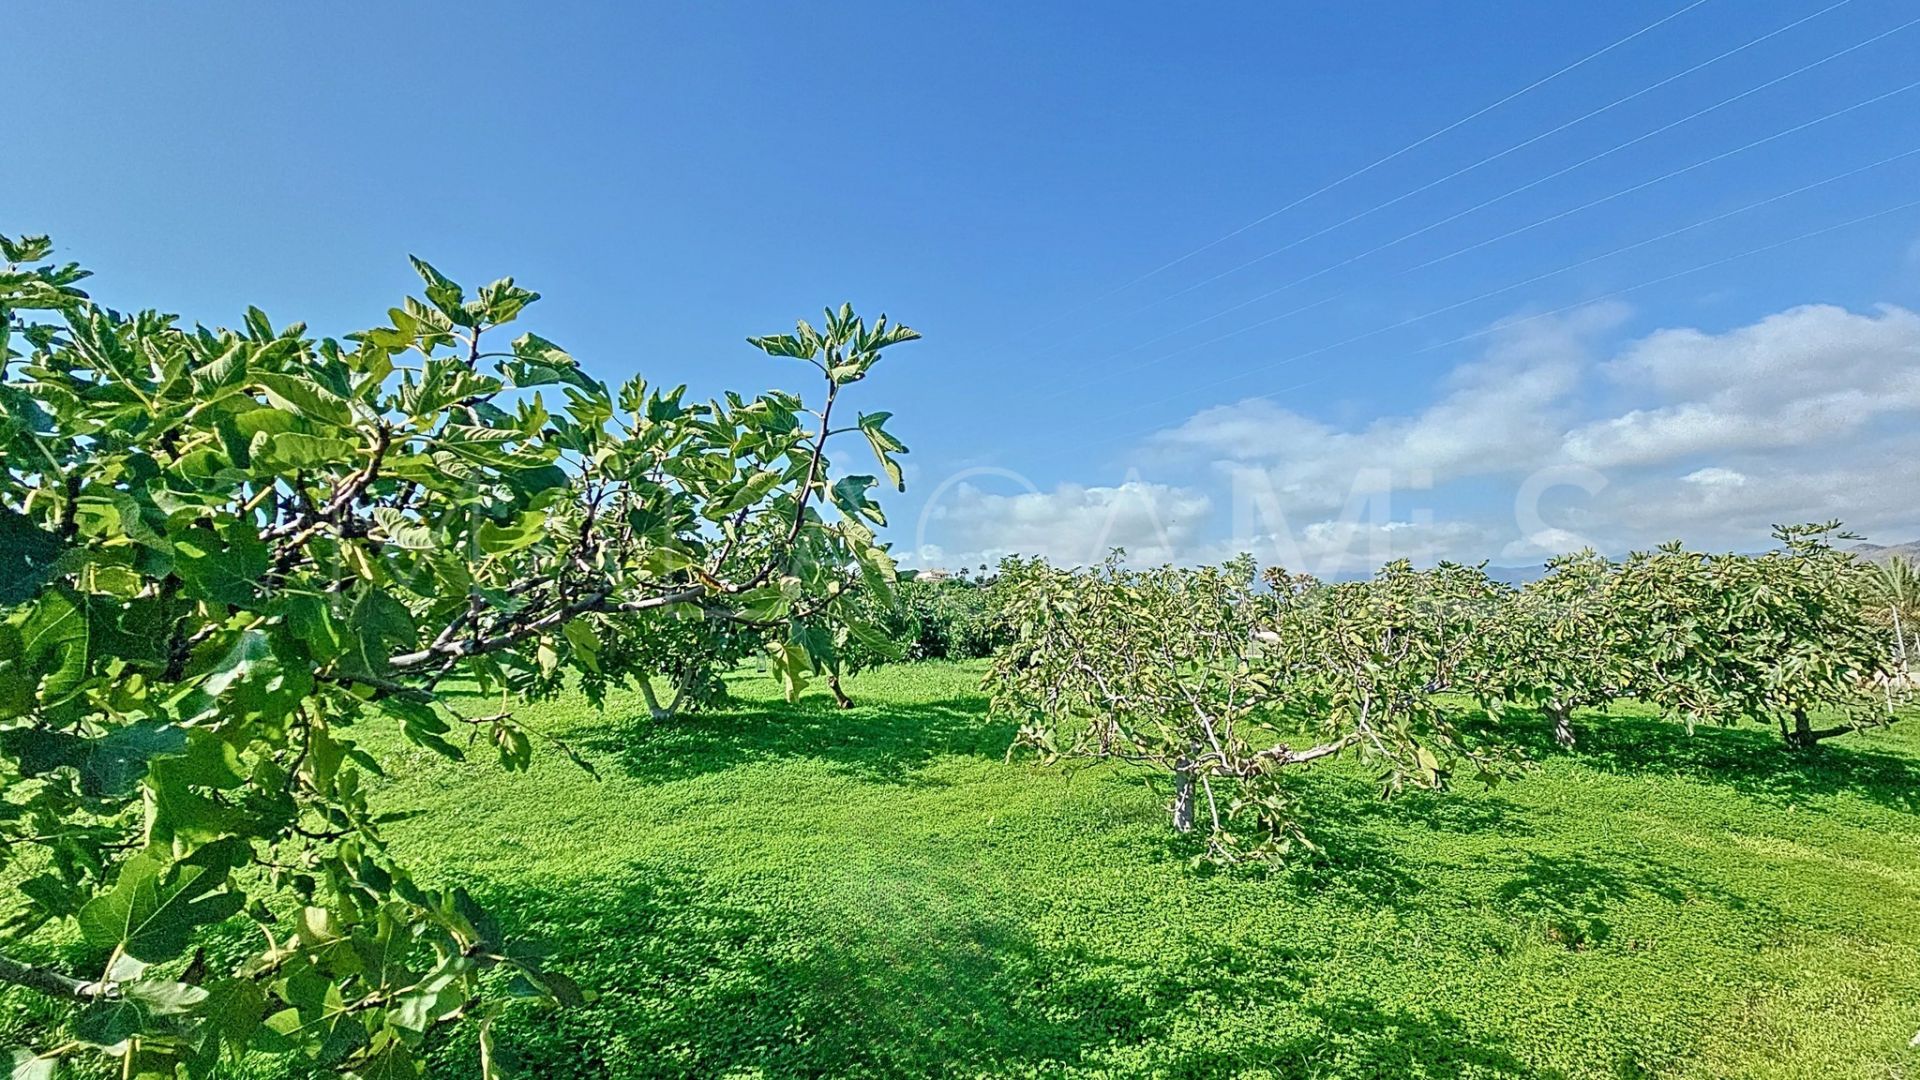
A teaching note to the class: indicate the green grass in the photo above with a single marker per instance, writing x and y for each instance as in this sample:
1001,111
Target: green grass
795,891
785,891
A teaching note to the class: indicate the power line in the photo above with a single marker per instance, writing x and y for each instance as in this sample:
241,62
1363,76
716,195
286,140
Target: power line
1507,324
1722,156
1553,273
1510,323
1489,159
1416,144
1484,243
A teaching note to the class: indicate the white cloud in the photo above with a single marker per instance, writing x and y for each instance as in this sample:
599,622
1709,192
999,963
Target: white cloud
1866,485
1542,543
1800,377
1709,437
1344,547
1511,405
1072,524
1714,476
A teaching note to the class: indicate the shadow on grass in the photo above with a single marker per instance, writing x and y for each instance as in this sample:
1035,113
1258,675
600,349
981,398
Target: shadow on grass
1574,897
1362,839
697,978
890,742
1356,1037
1751,760
884,743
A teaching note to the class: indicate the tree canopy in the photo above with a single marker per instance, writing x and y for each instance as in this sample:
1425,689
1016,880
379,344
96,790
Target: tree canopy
1424,674
223,551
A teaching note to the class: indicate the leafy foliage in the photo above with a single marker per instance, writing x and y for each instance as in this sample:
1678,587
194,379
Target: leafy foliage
1369,660
1771,637
932,618
688,650
227,551
1557,645
1199,673
1707,638
916,617
953,618
1202,674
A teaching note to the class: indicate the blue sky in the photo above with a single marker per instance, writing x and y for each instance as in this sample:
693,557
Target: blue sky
675,177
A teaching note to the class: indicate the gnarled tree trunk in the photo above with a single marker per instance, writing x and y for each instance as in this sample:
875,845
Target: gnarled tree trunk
1183,784
1562,724
653,703
1805,736
667,711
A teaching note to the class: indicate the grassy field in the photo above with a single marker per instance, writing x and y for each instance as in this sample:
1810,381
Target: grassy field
783,891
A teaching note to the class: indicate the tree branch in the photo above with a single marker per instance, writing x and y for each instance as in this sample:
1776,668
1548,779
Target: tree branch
53,983
1286,755
596,600
806,490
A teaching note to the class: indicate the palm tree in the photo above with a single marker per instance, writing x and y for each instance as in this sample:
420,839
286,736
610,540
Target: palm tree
1894,591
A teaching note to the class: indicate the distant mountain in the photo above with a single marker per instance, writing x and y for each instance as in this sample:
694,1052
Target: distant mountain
1880,553
1517,575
